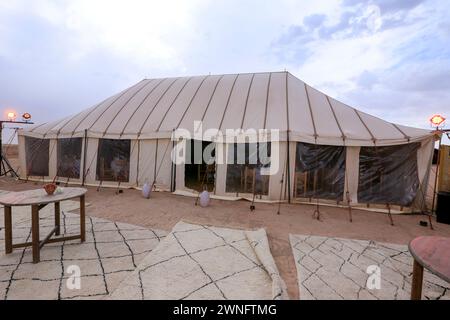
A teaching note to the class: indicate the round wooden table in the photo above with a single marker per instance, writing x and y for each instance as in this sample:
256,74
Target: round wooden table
38,199
433,254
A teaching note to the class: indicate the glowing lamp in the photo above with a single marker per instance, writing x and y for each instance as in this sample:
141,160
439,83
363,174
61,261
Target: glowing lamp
26,116
437,120
11,116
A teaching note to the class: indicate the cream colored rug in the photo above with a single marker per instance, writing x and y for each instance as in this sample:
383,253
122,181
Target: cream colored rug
203,262
335,268
111,252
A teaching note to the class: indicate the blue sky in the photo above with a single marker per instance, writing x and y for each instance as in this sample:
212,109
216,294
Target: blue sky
388,58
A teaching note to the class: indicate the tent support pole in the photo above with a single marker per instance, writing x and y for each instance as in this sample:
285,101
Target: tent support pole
438,160
99,185
84,157
389,214
288,167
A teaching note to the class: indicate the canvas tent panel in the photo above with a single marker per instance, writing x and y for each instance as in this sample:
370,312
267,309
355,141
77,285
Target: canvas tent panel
182,104
147,156
21,170
276,105
89,119
298,108
163,106
37,156
218,105
413,133
52,165
388,175
108,113
68,128
324,120
123,114
320,171
200,103
352,174
134,155
381,129
47,128
424,158
349,121
143,111
235,112
255,111
163,164
91,160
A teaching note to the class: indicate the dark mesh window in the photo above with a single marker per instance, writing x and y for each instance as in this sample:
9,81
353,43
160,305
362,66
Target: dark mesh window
37,156
113,160
69,157
247,163
388,174
319,171
200,169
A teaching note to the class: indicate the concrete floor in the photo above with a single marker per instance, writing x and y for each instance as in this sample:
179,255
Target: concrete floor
164,210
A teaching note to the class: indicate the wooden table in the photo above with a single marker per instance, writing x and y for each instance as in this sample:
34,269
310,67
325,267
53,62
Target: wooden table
432,253
38,199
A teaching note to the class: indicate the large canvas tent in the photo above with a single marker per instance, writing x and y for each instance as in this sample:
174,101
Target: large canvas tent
327,150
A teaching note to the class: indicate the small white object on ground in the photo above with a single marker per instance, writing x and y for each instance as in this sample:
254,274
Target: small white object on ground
204,199
146,190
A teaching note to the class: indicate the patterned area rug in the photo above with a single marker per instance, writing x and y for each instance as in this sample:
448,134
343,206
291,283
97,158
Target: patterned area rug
202,262
111,252
333,268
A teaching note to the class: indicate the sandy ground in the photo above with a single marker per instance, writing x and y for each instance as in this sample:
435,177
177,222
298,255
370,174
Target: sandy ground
164,210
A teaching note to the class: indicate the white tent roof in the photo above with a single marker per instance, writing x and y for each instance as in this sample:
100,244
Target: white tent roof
153,108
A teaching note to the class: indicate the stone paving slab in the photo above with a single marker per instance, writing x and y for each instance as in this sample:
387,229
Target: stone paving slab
203,262
111,252
336,268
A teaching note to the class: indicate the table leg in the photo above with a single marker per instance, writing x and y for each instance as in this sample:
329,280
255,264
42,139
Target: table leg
57,218
8,230
35,232
82,219
416,285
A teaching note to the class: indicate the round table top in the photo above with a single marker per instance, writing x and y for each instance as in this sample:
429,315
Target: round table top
39,196
432,253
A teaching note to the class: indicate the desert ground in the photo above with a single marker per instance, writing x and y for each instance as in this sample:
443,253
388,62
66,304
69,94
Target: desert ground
164,210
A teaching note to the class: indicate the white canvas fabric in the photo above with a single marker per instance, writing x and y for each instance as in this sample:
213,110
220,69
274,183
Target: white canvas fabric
153,108
148,112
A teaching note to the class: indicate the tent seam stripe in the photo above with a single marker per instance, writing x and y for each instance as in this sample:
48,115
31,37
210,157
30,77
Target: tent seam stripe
335,117
141,104
311,112
287,101
190,102
212,96
267,100
115,100
228,101
365,125
173,102
246,100
156,104
125,104
401,131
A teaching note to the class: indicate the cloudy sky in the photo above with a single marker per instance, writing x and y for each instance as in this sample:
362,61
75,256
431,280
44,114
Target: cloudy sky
388,58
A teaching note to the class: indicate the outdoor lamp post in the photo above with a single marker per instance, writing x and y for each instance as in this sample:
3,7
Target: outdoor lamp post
5,166
437,121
